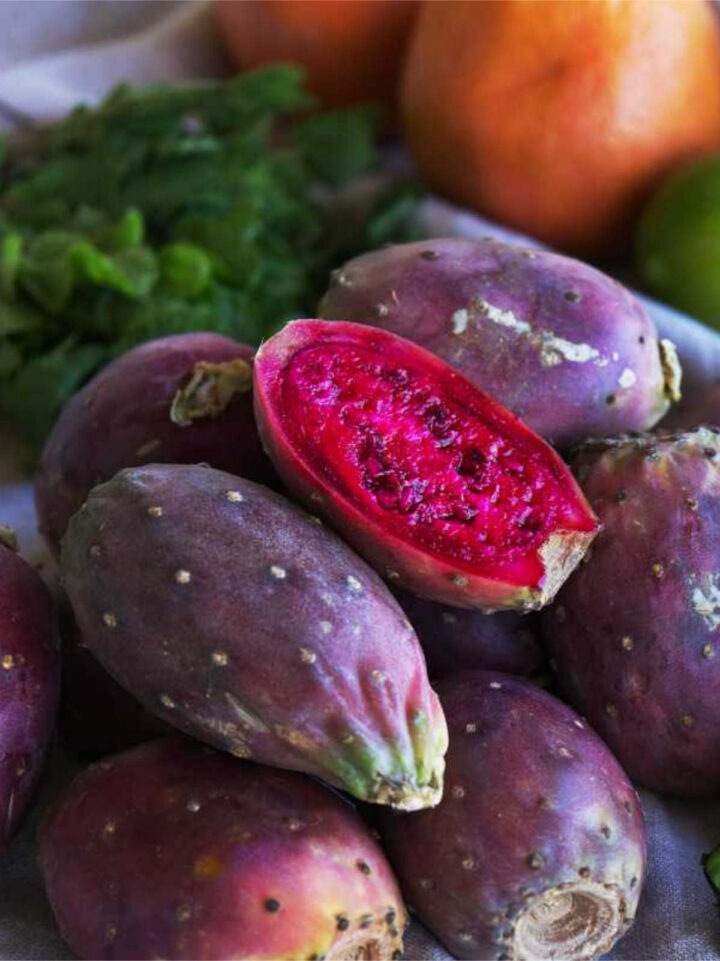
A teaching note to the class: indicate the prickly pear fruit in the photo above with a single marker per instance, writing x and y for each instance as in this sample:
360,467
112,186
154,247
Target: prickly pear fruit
174,851
236,617
635,633
97,716
697,412
538,848
559,343
184,399
454,640
29,685
711,867
444,491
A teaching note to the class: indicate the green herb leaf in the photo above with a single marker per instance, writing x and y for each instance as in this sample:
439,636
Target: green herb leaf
186,270
34,397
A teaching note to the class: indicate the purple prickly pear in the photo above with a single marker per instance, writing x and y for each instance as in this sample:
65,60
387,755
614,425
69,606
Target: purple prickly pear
444,491
455,640
565,347
174,851
29,684
184,399
238,618
635,634
538,848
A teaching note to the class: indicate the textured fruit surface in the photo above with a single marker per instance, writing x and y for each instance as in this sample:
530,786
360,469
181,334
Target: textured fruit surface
29,685
558,118
97,715
351,50
698,411
678,240
455,640
183,399
635,633
562,345
238,618
444,491
538,848
174,851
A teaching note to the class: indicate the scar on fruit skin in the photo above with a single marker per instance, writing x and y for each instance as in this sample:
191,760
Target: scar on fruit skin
553,349
706,597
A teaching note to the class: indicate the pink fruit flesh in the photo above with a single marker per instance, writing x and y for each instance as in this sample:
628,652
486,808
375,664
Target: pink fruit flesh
421,450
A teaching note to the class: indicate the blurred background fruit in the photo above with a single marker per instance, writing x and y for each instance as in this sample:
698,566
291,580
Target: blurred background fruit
352,50
557,118
678,240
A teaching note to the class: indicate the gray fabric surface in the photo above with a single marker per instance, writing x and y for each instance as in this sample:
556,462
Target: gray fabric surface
677,919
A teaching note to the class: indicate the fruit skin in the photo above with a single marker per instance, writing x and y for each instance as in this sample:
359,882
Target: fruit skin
129,415
351,50
678,240
455,640
97,716
29,686
633,634
696,412
562,345
526,581
172,850
559,118
234,616
534,801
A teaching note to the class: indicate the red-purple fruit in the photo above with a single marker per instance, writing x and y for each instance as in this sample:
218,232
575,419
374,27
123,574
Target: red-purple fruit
636,633
240,619
454,640
29,684
565,347
184,399
537,850
174,851
444,491
97,716
698,411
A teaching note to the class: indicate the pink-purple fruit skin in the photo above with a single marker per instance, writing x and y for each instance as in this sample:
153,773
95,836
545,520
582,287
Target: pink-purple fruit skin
634,634
455,640
236,617
172,850
122,418
29,685
534,801
444,491
562,345
97,716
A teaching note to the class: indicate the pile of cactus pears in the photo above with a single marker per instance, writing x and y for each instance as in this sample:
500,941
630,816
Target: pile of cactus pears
348,580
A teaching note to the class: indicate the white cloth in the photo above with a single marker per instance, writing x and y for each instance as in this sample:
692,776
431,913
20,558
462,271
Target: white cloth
54,54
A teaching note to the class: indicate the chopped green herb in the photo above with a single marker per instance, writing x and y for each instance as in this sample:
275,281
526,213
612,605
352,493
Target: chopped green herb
169,209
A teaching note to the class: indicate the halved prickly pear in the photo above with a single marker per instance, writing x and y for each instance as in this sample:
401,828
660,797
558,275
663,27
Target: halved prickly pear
172,850
245,622
441,488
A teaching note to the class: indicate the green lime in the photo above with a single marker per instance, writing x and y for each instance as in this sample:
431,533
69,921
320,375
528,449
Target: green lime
678,240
